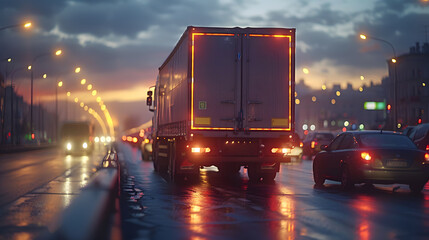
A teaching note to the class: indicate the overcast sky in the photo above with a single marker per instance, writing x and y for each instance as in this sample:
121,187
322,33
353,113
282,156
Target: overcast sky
119,44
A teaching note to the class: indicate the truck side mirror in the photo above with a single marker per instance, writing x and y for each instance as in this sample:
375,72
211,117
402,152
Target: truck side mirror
149,98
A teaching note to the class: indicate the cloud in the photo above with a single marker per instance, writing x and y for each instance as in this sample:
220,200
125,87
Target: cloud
121,43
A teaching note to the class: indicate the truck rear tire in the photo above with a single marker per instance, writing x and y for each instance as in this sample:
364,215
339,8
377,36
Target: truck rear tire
254,172
173,163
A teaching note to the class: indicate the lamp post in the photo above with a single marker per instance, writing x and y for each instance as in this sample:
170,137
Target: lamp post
11,103
393,60
58,85
31,68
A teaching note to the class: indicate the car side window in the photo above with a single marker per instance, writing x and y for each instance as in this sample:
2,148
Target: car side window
412,134
336,142
347,143
419,133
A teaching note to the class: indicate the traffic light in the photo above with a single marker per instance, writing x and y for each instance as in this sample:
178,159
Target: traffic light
388,108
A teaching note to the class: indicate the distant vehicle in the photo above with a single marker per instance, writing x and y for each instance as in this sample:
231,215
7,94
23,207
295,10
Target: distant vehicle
420,136
372,157
146,142
313,141
224,97
77,137
295,153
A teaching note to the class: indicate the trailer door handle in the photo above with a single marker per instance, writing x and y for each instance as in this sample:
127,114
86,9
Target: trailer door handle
254,102
254,120
228,119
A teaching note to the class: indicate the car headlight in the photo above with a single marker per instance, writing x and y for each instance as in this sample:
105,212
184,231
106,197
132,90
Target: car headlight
85,145
69,146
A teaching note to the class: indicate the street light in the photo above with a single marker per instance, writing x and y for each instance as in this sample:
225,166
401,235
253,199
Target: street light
393,60
25,25
31,68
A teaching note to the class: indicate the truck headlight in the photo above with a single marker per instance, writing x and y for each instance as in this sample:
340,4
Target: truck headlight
85,145
69,146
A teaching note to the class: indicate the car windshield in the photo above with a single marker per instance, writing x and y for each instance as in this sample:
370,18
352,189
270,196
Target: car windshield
385,141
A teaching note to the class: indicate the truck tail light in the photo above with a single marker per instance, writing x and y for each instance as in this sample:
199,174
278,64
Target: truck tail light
427,157
427,147
200,150
280,150
313,144
365,156
301,144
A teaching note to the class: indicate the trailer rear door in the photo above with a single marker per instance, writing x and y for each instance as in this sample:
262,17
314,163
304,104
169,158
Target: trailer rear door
215,78
267,90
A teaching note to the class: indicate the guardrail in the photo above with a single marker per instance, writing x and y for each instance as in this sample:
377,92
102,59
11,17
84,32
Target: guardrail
89,215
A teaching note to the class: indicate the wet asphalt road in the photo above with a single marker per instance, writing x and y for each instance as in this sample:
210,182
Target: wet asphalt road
290,208
36,186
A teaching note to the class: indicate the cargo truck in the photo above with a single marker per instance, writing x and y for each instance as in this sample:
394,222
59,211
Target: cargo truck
225,97
77,137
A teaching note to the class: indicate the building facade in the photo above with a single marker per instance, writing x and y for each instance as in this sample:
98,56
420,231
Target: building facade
411,72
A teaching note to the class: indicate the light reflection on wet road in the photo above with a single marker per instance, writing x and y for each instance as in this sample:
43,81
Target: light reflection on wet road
290,208
36,186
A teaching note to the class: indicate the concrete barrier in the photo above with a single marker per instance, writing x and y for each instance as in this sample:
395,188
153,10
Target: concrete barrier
89,215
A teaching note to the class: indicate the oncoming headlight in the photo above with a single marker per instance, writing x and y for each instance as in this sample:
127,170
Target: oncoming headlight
85,145
68,146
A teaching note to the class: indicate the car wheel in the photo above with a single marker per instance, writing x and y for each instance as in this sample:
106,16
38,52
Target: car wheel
346,181
417,187
319,179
